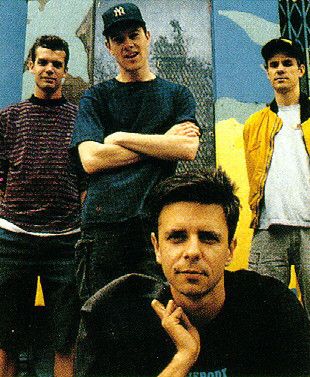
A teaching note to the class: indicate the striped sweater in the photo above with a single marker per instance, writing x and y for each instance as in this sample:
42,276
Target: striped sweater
38,179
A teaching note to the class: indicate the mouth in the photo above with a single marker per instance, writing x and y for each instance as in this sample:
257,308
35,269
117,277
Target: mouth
131,55
49,79
191,272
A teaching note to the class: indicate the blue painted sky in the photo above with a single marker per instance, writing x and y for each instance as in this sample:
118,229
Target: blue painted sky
237,45
12,41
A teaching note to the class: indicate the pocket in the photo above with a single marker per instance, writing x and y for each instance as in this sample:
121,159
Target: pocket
83,249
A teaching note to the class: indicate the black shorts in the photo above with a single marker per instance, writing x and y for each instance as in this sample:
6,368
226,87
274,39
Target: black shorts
22,259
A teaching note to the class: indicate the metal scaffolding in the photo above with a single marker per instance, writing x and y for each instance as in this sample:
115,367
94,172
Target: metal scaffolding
295,25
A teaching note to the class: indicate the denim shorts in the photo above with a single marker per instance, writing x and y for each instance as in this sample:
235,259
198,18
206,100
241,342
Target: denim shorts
22,259
108,251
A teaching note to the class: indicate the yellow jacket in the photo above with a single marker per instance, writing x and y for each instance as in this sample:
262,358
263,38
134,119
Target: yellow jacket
259,133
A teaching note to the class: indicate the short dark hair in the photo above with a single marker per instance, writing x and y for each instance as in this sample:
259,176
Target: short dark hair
211,186
52,42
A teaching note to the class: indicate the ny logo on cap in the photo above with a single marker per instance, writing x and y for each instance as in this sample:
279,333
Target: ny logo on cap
120,11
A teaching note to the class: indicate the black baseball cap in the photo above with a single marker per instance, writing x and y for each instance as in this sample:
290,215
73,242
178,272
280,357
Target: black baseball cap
282,45
121,13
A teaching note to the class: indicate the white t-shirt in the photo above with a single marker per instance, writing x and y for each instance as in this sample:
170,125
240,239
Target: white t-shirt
287,188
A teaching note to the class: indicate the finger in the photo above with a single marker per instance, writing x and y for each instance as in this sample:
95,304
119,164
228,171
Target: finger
158,308
192,133
170,308
186,322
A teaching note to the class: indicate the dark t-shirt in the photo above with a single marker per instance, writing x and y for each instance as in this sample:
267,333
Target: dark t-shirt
150,107
262,330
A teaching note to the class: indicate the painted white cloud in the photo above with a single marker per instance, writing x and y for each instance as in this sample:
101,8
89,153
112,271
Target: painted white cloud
257,28
230,108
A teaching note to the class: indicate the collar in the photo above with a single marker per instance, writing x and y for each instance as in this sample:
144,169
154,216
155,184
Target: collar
304,102
47,102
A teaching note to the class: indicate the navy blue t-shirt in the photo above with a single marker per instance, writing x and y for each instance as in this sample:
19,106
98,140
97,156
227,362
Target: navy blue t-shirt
150,107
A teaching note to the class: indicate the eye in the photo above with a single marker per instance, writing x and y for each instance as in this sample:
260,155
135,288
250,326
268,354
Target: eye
117,39
134,35
273,64
57,65
42,62
287,63
209,238
177,236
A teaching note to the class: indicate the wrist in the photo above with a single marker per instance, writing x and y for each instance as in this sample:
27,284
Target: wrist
185,360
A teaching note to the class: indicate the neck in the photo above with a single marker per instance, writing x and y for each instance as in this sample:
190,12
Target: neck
41,94
134,76
201,309
288,98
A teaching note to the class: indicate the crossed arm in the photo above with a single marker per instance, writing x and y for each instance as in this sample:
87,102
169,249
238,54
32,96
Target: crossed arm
119,149
184,335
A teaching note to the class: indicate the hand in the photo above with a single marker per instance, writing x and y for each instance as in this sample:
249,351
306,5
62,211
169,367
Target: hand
177,325
184,129
114,138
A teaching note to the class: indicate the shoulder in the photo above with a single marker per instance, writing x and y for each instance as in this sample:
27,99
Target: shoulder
172,86
258,289
100,88
15,107
70,108
258,115
265,297
15,111
131,288
256,119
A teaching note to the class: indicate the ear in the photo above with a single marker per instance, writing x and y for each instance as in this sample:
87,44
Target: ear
231,250
148,37
108,46
30,65
156,248
267,72
302,70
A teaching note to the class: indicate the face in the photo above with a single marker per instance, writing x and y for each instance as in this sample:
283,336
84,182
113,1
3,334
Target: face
130,48
49,70
284,73
192,247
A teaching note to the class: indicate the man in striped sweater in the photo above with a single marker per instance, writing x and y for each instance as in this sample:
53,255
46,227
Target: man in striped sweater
39,211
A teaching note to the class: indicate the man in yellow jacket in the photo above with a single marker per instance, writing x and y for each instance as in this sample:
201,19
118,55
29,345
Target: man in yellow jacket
277,150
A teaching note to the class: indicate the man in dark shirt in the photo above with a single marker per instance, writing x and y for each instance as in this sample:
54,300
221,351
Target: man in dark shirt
209,322
130,131
39,211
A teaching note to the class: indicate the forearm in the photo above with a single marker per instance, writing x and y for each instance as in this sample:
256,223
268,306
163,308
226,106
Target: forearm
97,157
179,366
166,147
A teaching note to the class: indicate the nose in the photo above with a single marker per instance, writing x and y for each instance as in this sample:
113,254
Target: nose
128,43
49,68
192,249
280,68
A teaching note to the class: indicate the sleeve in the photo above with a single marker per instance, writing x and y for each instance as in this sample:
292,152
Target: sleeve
3,157
291,335
185,106
246,135
89,124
